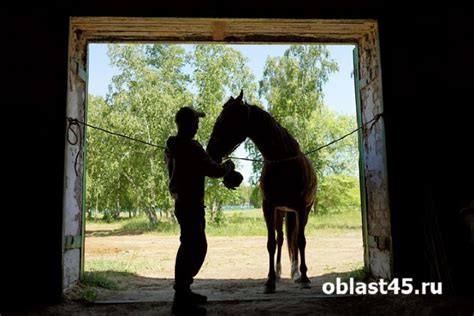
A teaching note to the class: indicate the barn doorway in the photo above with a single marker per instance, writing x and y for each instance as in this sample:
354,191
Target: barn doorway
363,34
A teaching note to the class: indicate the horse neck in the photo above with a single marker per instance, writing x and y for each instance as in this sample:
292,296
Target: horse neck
272,140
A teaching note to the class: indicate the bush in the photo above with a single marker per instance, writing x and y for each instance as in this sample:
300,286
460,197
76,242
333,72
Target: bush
338,193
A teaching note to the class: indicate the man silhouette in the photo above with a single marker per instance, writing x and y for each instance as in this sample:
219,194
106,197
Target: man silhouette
188,164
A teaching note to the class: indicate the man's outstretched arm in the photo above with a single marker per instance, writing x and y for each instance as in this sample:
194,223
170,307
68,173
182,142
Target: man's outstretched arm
213,169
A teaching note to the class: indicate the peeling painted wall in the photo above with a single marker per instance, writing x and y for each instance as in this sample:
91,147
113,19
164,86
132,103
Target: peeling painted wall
74,171
378,213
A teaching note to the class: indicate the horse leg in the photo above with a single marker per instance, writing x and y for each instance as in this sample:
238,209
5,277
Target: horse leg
295,270
303,279
279,229
269,213
292,238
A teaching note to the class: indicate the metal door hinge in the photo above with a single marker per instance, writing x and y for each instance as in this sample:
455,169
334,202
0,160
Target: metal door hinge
81,72
72,242
379,242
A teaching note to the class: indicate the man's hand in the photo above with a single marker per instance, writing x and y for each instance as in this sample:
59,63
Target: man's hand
229,164
233,179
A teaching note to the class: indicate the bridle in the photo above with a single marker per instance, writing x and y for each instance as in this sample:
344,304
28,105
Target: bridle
249,108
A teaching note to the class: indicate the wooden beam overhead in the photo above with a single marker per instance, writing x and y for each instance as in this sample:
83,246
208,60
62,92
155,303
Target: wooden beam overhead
123,29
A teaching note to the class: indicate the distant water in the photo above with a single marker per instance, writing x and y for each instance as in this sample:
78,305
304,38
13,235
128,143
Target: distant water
237,207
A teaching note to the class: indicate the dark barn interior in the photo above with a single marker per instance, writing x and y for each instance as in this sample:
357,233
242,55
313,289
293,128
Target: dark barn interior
427,66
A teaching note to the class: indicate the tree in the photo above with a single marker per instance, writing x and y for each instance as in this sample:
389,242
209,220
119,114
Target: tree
219,71
256,196
142,101
156,80
338,193
292,86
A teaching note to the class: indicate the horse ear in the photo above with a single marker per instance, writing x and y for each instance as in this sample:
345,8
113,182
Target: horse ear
228,102
241,95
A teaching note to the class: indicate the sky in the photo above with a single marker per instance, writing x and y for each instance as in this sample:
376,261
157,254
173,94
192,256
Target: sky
338,91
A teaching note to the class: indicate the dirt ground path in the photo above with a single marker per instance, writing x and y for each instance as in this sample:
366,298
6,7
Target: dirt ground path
233,277
235,267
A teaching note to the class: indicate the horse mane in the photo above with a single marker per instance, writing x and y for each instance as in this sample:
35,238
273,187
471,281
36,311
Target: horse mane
279,134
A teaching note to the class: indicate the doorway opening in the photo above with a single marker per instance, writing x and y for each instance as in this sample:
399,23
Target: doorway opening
362,34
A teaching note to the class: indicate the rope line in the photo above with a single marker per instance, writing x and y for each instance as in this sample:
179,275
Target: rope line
78,139
76,121
373,121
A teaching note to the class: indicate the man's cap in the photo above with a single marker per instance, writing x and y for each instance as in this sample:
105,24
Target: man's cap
187,114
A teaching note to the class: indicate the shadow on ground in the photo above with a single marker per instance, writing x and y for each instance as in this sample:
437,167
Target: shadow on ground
151,296
122,287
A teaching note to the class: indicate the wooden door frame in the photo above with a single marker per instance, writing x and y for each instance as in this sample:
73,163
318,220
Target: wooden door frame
363,33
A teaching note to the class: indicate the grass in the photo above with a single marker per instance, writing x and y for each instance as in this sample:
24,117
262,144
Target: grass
142,224
356,272
340,221
91,281
236,223
122,265
98,279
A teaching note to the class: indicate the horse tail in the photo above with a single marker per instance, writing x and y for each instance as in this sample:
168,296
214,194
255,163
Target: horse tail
292,234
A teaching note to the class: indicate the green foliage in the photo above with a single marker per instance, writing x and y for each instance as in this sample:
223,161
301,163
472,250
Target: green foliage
256,196
138,225
219,71
152,85
338,193
218,220
292,85
98,279
88,294
233,223
241,223
243,193
156,80
142,100
347,219
90,282
357,272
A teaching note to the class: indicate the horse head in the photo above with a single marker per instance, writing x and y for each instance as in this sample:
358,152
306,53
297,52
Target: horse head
230,129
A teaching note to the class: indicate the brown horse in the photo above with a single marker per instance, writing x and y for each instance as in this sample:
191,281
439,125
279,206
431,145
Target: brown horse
288,181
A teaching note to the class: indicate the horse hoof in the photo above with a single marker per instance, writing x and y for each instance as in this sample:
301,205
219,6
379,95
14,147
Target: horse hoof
303,282
295,275
269,289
